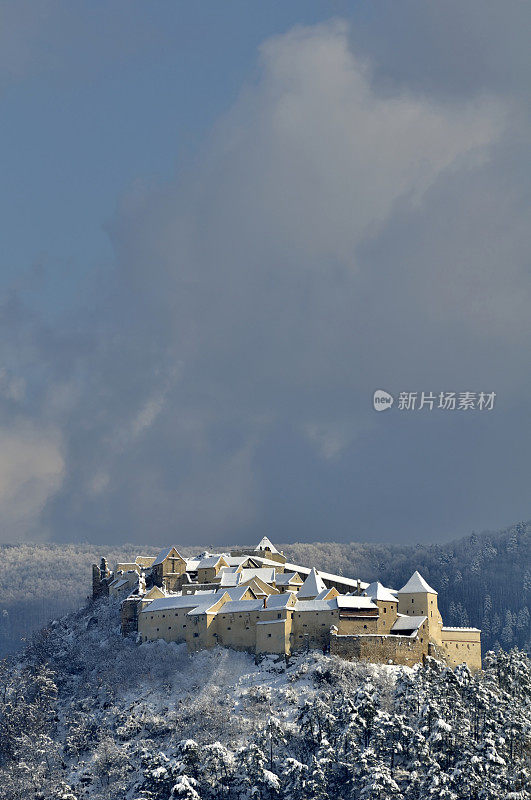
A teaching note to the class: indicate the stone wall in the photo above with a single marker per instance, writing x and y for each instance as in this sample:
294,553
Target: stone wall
383,649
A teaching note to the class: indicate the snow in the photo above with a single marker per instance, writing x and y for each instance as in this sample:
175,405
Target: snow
180,601
209,561
234,606
284,578
280,600
460,628
416,584
163,555
312,586
406,623
266,544
266,574
234,592
353,601
351,583
379,592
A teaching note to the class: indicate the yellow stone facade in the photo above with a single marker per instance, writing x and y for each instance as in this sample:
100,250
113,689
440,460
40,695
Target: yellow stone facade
232,599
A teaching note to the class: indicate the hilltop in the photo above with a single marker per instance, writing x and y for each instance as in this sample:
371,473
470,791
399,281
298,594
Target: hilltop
87,713
483,579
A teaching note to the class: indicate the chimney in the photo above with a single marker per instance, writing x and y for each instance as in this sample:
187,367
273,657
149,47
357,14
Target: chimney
359,586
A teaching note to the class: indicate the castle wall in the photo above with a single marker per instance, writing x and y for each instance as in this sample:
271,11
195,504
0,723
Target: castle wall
272,636
462,645
384,649
350,625
315,625
237,630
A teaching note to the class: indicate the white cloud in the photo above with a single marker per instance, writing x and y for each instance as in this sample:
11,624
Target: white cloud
31,471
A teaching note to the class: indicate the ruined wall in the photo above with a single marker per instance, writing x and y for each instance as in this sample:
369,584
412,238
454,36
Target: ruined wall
383,649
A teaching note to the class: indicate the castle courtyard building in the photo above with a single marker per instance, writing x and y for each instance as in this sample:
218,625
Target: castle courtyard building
252,599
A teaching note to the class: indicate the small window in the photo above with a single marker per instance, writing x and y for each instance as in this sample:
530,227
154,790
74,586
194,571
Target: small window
196,635
157,630
269,636
229,628
169,627
279,616
184,626
385,610
412,600
365,626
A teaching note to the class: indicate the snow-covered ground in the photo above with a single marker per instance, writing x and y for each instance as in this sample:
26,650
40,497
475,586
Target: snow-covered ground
88,714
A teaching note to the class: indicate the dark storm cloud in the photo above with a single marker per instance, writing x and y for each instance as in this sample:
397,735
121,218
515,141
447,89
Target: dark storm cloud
338,233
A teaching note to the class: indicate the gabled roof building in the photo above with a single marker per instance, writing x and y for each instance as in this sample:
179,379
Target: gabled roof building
253,600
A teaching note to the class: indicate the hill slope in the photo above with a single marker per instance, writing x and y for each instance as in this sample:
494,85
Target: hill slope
88,714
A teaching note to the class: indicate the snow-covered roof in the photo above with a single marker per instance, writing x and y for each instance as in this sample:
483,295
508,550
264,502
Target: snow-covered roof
416,584
179,601
379,592
283,578
314,605
266,574
234,592
323,595
351,583
235,561
163,555
192,564
278,601
266,544
228,577
265,562
209,561
460,628
234,606
406,623
312,586
352,601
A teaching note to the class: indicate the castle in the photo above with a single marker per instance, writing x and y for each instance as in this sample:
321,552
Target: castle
253,599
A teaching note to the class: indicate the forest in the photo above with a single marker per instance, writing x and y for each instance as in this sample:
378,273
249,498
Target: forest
86,714
483,579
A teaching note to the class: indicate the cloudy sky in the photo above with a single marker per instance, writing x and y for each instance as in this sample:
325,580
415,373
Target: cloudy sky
224,226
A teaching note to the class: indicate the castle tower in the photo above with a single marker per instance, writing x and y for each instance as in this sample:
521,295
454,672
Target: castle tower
100,575
418,599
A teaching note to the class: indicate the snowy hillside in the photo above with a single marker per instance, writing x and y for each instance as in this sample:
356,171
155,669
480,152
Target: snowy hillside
85,713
